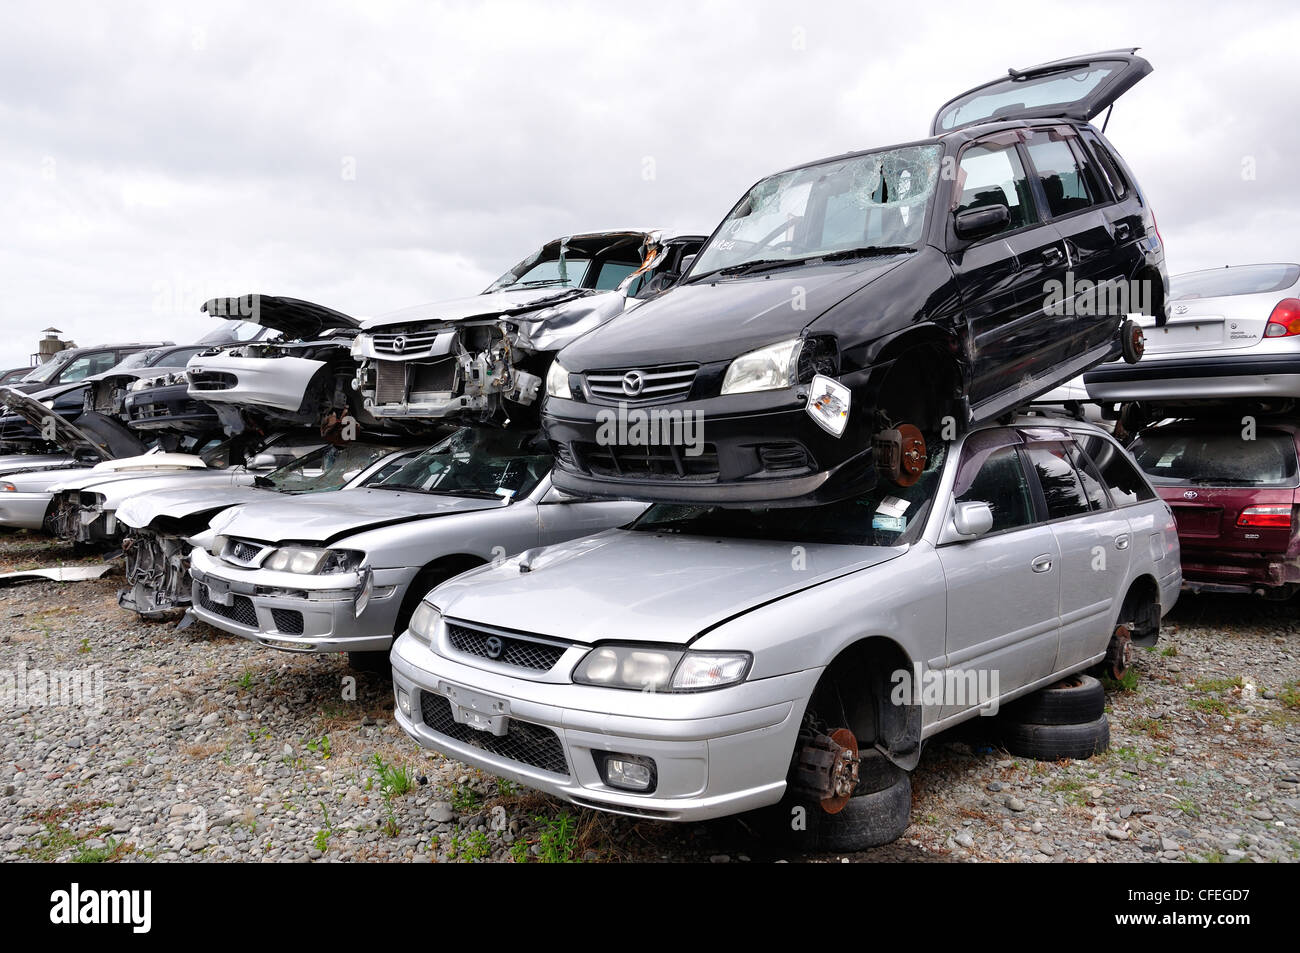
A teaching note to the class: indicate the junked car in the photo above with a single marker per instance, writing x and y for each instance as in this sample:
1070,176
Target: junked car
158,525
848,312
294,380
76,364
1234,493
706,661
342,572
1233,335
485,357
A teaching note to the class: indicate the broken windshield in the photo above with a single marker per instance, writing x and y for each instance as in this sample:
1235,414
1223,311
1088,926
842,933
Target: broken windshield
327,468
860,204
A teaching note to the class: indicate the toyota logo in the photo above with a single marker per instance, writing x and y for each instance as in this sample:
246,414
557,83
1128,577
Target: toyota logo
633,383
399,344
494,647
1189,494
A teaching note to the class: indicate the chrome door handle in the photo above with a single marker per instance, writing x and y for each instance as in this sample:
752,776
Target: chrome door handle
1042,564
1121,541
1052,255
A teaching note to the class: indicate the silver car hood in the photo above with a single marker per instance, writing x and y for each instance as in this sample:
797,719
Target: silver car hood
341,513
630,585
140,510
482,306
116,487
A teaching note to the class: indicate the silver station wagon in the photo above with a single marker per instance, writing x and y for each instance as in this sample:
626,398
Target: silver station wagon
705,661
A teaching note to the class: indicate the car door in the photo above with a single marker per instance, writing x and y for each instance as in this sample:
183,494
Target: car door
1003,277
1095,543
1003,588
562,517
1076,88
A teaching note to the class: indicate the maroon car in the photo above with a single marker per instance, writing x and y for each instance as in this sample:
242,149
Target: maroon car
1232,483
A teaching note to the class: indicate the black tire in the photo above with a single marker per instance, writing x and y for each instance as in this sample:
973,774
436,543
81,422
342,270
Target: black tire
376,662
1132,344
1057,742
868,820
1072,701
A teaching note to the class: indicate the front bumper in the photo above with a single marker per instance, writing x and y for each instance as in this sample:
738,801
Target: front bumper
24,510
169,408
276,382
753,448
1192,379
298,613
715,753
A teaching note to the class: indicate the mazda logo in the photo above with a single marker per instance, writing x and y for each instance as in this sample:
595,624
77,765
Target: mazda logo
1189,494
494,647
633,383
399,344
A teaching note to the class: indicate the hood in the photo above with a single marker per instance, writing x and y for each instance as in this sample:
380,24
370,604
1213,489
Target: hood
483,307
181,503
637,586
338,514
717,320
117,487
92,435
153,461
291,316
17,462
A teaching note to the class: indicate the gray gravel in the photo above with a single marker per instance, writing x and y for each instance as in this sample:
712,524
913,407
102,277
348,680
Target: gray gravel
210,748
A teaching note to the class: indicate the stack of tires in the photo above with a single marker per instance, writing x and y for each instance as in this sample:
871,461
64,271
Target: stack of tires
1065,720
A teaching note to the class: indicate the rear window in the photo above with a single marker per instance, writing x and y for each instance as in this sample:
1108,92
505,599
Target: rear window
1242,280
1222,458
1014,96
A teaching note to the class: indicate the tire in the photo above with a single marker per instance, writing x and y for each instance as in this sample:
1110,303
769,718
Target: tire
1076,700
868,820
1132,344
1057,742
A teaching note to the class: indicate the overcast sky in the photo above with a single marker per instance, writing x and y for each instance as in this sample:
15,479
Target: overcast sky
380,155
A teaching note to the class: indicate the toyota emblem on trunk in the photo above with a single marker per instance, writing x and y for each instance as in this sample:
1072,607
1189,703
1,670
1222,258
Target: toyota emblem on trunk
494,647
633,383
1189,494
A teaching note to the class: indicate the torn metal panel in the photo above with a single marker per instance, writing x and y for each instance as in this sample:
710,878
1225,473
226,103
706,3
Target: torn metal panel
55,574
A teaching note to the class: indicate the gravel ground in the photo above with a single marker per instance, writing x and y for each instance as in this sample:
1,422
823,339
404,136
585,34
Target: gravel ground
209,748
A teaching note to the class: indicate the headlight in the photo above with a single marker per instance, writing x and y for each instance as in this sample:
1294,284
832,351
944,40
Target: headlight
136,385
424,622
557,382
307,560
660,670
768,368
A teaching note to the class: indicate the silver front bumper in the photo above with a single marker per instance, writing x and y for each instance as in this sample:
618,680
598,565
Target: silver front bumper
24,510
299,613
716,753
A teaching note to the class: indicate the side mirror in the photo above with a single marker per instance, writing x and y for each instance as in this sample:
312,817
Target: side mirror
972,519
977,222
262,461
685,264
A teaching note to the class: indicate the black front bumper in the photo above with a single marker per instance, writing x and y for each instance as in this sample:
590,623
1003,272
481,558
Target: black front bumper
169,408
752,449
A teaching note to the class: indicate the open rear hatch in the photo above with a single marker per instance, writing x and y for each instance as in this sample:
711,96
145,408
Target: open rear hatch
293,317
93,435
1077,88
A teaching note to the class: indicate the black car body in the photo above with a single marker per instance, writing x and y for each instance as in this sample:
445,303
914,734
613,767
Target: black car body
76,364
916,285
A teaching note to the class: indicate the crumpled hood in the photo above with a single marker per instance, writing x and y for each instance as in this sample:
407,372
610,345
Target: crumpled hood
117,487
337,514
632,585
489,305
179,503
707,320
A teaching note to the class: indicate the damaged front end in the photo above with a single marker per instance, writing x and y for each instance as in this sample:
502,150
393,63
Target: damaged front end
157,573
78,517
486,357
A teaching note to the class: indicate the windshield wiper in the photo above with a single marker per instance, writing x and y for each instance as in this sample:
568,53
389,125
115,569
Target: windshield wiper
867,251
760,264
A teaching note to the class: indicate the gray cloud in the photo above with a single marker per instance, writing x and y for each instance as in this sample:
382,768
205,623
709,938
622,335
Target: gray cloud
155,154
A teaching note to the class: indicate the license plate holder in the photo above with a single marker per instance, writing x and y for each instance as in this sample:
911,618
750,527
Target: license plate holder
478,711
219,592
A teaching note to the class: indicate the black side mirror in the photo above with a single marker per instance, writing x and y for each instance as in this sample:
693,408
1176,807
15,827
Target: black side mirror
977,222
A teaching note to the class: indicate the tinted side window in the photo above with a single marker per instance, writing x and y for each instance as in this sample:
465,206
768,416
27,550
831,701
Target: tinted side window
993,175
1060,482
1122,477
1118,187
1058,170
1002,485
1093,487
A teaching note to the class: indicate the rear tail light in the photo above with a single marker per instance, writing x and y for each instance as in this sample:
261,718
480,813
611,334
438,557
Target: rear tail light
1285,319
1272,517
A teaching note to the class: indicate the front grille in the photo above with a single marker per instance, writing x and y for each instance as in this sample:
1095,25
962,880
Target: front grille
405,343
212,380
648,462
287,621
656,384
241,551
523,741
520,652
240,610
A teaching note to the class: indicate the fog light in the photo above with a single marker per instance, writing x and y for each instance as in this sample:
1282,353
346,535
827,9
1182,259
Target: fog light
628,771
828,404
404,703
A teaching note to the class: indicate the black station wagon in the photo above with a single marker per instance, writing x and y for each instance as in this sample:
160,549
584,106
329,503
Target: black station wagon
850,311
